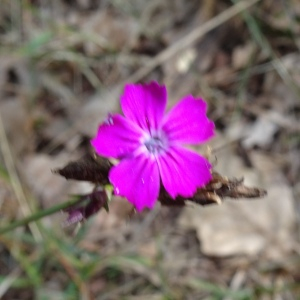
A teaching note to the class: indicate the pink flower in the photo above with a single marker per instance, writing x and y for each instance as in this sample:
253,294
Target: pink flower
150,145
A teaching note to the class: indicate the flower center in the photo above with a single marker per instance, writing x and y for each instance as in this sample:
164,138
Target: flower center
157,143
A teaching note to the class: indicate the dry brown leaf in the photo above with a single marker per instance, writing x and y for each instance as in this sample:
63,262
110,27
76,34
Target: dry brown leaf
242,55
48,188
260,133
246,227
96,110
16,123
114,31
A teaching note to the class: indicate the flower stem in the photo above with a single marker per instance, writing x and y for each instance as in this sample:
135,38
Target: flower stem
39,215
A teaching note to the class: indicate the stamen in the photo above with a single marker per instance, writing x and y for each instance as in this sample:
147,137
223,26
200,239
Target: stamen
156,144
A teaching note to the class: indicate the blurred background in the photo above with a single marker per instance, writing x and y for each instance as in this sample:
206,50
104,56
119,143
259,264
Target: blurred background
63,64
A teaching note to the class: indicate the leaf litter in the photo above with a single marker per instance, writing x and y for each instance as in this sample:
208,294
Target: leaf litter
248,246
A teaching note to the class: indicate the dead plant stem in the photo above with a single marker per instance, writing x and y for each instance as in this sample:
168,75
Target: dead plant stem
15,180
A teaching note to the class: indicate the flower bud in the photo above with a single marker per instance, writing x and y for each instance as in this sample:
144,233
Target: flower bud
87,206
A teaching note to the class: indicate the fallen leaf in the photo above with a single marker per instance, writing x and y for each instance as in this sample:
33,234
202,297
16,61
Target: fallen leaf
242,55
246,227
114,31
16,124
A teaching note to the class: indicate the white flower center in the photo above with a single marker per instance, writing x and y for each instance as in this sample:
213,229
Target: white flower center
156,143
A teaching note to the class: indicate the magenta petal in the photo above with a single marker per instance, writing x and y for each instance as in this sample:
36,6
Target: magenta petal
187,122
117,137
137,179
183,171
144,104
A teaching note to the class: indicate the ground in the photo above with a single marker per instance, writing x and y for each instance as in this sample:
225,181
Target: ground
63,65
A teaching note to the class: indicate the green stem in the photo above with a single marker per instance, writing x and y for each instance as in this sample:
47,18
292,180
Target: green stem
39,215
